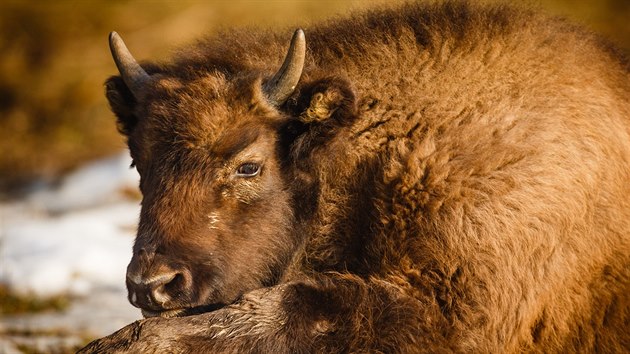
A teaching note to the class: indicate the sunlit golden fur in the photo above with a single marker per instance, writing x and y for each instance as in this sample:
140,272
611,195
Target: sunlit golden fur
458,179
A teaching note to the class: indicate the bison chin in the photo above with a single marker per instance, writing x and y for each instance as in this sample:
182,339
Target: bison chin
181,312
165,314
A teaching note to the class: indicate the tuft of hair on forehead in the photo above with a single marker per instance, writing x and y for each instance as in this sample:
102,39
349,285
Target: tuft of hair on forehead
205,109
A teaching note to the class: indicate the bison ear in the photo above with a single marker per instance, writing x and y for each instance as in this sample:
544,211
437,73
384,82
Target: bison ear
328,102
122,103
317,109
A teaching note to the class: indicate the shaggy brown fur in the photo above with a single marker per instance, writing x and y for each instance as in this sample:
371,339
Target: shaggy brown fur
445,177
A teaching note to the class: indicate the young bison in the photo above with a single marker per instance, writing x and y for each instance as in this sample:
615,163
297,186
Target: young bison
427,178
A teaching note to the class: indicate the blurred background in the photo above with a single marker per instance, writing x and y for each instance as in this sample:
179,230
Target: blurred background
68,202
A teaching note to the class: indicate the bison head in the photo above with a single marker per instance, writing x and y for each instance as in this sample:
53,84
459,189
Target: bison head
220,191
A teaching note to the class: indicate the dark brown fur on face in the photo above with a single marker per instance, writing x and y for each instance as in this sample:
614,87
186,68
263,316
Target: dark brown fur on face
445,177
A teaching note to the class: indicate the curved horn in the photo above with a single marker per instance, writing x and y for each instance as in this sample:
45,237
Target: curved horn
132,73
282,84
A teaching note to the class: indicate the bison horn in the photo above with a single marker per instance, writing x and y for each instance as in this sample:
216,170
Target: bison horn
132,73
282,84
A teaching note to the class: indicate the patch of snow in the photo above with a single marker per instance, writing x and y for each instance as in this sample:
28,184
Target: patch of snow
73,238
95,184
69,253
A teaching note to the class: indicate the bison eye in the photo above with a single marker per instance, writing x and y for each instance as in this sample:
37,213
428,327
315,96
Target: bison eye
249,169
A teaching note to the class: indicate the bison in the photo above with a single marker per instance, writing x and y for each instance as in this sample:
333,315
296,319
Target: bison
443,177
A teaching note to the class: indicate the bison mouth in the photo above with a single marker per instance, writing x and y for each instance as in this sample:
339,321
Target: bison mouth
181,312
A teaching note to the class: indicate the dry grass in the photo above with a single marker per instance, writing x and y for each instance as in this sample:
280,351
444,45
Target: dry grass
14,304
55,59
53,341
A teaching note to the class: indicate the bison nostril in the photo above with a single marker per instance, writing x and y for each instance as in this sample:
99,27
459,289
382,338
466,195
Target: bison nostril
175,284
165,286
